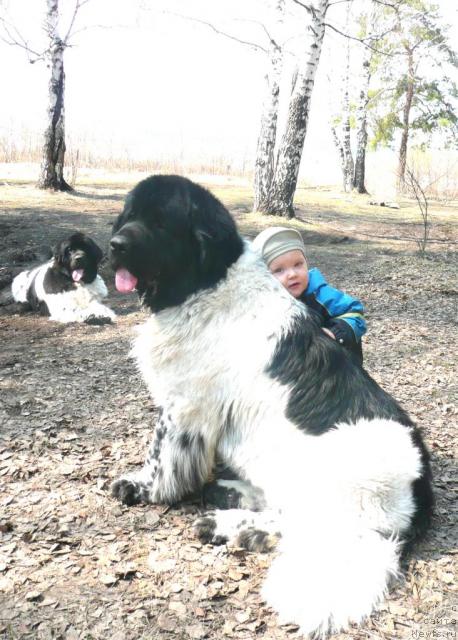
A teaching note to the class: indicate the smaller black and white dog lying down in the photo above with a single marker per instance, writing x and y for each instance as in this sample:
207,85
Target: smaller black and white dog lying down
68,287
243,373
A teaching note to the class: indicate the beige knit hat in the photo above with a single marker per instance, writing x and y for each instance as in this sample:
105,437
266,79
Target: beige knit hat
275,241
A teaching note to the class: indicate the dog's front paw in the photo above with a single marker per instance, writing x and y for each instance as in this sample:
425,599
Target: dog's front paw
126,491
257,540
238,527
205,529
98,320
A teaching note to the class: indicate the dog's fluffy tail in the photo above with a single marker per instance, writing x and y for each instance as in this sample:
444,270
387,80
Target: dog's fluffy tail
325,583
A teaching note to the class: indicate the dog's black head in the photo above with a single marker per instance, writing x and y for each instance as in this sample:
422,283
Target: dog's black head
78,257
172,239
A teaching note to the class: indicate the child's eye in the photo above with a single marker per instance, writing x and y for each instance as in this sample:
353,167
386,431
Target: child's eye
278,271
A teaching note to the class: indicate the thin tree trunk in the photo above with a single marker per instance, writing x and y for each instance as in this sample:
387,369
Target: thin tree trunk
264,165
52,167
359,179
348,168
341,130
405,123
340,149
281,194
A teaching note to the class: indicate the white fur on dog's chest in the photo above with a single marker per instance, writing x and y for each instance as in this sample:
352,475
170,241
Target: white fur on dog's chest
211,352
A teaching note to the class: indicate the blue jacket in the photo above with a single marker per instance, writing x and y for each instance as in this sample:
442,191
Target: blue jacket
337,311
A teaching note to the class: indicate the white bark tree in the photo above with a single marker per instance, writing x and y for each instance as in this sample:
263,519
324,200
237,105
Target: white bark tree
359,178
368,39
52,166
265,151
368,23
349,165
342,131
281,193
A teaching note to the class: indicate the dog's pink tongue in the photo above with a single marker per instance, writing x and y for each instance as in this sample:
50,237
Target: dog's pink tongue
77,274
125,281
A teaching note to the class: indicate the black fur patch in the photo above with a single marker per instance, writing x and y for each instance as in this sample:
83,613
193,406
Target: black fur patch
185,440
57,280
159,434
33,300
326,385
221,497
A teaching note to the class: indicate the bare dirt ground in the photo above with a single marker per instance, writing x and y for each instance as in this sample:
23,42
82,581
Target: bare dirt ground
74,564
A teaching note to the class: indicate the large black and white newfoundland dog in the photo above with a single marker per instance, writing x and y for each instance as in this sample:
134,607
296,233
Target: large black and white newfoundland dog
241,371
68,287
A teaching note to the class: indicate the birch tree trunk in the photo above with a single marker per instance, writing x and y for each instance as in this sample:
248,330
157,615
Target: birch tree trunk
264,164
359,179
348,164
406,121
281,193
52,167
340,149
342,133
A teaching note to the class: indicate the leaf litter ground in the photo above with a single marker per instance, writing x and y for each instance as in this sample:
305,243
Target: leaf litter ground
74,564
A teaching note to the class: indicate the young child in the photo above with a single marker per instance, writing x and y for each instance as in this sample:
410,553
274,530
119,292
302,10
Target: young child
341,316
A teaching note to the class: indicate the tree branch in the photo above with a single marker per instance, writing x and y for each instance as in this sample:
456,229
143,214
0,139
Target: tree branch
361,40
263,27
308,8
78,5
394,6
15,39
218,31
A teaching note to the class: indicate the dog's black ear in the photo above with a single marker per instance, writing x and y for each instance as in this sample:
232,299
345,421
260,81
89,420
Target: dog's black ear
94,248
59,251
203,240
216,233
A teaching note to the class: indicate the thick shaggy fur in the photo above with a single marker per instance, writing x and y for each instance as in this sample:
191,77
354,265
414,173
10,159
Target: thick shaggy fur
67,288
242,372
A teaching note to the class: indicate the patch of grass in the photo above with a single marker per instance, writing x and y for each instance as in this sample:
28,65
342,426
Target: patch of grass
354,204
252,223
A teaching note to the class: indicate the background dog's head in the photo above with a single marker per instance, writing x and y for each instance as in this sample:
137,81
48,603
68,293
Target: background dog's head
78,257
172,239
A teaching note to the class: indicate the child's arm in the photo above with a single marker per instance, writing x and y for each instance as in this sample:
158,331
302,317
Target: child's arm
343,314
347,329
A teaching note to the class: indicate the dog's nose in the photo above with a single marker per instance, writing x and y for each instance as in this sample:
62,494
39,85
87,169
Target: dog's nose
118,244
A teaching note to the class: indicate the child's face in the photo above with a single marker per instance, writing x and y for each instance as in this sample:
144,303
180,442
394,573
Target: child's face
291,270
